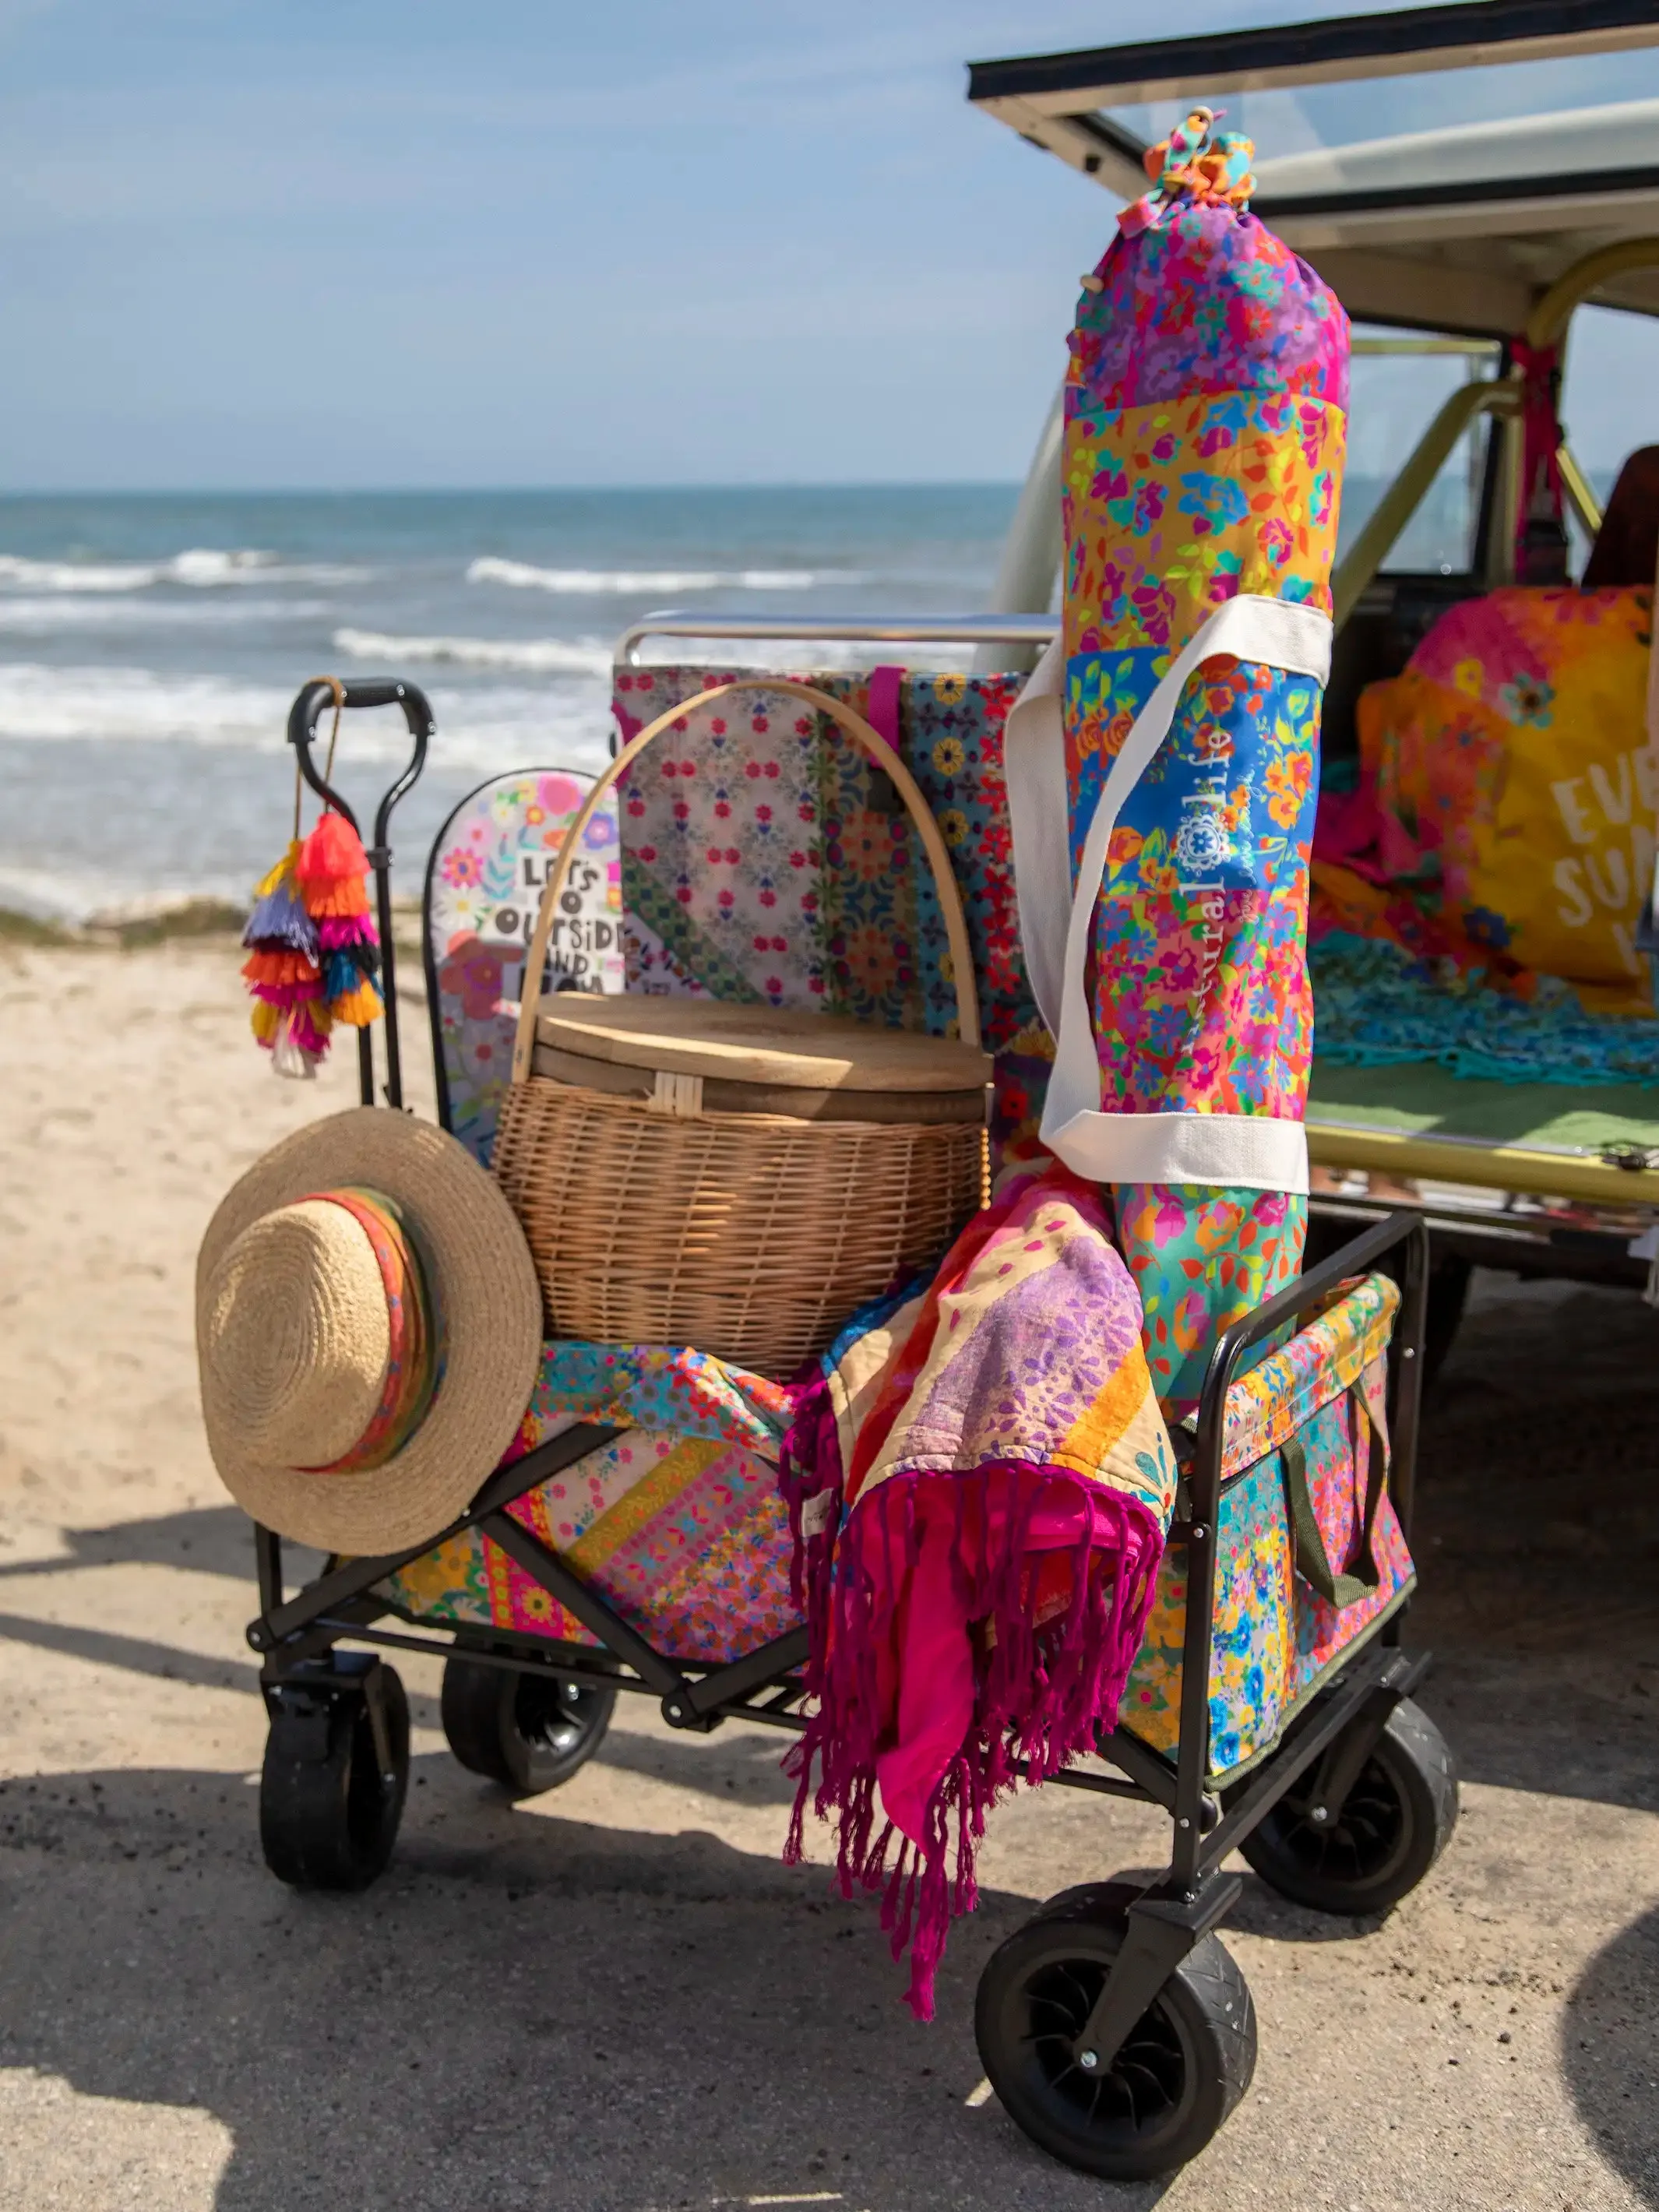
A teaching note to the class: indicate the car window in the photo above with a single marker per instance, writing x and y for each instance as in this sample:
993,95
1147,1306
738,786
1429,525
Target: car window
1401,380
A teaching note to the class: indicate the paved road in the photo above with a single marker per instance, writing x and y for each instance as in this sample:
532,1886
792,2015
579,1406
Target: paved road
615,1998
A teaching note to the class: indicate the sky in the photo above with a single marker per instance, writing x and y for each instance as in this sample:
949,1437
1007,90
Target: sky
355,243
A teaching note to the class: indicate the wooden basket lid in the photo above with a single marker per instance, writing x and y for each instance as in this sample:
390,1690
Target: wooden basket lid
757,1044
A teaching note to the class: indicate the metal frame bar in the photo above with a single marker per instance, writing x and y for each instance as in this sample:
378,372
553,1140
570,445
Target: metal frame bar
1026,629
311,703
1411,42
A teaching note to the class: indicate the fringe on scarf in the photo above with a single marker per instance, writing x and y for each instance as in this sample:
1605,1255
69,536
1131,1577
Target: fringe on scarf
1044,1688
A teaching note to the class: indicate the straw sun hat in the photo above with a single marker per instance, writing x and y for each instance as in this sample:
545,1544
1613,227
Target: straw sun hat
369,1326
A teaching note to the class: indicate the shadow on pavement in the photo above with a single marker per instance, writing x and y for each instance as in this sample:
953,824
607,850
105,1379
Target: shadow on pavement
212,1540
1610,2053
1536,1540
523,2013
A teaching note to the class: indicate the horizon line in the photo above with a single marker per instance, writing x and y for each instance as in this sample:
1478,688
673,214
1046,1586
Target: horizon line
499,490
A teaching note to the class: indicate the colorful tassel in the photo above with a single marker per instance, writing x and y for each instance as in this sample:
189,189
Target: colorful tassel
331,867
309,1025
279,916
335,931
357,1008
282,973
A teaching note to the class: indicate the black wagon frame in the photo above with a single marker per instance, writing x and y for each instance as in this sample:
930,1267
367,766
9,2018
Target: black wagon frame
313,1687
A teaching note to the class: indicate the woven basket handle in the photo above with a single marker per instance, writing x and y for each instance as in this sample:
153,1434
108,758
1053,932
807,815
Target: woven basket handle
868,741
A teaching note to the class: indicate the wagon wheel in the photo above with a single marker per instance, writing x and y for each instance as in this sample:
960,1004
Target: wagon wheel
1366,1854
1181,2068
335,1776
528,1732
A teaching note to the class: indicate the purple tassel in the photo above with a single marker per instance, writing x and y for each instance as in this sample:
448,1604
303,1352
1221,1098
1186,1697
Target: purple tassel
279,923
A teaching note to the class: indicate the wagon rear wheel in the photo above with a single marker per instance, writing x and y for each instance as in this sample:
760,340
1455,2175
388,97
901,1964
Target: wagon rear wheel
1366,1854
528,1732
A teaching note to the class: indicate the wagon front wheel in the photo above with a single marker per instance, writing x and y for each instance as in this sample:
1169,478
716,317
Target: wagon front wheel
1181,2070
336,1773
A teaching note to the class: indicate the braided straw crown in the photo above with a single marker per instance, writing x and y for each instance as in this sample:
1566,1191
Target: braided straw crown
294,1339
294,1334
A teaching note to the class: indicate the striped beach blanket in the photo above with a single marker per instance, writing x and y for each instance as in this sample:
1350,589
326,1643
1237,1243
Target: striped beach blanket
979,1481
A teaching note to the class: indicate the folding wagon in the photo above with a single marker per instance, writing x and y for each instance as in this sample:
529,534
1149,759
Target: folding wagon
1270,1711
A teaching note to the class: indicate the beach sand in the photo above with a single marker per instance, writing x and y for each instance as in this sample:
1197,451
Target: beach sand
614,1996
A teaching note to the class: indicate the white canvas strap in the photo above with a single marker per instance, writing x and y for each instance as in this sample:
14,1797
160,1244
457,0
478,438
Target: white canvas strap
1255,1151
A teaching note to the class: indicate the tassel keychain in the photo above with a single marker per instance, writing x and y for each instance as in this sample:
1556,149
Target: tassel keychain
330,868
283,971
313,951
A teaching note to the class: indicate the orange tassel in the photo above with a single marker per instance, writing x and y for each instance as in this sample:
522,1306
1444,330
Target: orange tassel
358,1008
332,868
263,1021
284,970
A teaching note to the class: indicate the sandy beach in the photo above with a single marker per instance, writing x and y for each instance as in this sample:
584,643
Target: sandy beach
615,1997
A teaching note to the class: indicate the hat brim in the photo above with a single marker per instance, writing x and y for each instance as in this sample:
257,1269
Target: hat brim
492,1310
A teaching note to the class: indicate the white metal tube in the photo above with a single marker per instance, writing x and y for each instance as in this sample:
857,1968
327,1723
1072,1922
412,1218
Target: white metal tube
1032,551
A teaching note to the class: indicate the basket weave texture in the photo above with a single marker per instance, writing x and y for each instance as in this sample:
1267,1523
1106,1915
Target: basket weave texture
752,1236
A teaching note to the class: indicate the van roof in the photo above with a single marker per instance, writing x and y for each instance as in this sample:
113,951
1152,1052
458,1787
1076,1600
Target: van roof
1462,225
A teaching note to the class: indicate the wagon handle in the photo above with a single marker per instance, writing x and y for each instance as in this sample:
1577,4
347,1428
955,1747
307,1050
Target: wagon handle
874,747
310,700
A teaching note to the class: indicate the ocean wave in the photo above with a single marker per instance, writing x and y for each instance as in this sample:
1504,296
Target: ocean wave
201,567
44,705
496,728
89,610
533,656
594,582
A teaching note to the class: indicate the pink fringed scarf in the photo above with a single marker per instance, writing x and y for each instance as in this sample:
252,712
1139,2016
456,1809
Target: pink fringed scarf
979,1481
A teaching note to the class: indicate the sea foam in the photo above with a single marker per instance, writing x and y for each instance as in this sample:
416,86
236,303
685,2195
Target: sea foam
596,582
533,656
201,567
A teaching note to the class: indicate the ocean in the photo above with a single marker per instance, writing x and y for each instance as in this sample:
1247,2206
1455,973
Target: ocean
151,647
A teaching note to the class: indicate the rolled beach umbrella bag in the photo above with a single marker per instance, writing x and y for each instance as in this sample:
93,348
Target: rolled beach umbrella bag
1174,729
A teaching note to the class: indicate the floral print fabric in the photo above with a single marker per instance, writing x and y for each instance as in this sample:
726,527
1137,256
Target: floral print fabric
483,890
1204,439
678,1524
840,915
1274,1639
1175,508
1210,302
684,1536
1506,810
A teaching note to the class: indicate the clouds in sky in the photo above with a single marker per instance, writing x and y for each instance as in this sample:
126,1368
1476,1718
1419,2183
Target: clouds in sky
531,241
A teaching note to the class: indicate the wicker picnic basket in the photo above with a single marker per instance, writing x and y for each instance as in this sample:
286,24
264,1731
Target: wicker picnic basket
738,1177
